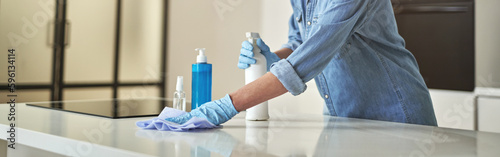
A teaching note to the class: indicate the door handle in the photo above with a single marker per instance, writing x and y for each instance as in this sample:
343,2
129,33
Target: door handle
67,31
408,9
50,33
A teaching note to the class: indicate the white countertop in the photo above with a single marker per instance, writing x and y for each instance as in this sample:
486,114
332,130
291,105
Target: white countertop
487,91
283,135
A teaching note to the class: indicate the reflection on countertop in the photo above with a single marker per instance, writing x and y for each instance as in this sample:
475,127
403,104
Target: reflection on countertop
283,135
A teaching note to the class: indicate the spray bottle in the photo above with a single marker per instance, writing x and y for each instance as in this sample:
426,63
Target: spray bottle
202,80
260,111
179,95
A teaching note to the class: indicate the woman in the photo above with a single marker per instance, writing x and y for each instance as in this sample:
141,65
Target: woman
353,51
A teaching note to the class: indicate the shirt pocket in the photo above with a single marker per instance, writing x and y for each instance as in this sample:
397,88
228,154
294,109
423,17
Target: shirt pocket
316,18
297,14
337,11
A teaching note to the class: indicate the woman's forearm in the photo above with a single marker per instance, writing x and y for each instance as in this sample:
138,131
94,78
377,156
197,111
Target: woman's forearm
258,91
283,53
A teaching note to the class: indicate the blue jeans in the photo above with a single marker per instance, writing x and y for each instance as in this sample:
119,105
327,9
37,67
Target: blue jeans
353,51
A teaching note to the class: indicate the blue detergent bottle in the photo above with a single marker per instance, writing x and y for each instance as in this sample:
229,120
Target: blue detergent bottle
201,85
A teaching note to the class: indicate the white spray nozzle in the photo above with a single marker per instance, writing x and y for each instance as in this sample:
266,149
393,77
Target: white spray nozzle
253,35
180,83
201,58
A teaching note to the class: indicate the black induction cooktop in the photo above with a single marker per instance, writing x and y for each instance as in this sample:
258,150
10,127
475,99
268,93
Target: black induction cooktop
117,108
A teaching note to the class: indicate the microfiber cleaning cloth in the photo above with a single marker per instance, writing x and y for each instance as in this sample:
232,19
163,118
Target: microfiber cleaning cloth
159,123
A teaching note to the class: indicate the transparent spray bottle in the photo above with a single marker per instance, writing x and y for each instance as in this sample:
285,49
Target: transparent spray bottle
260,111
179,95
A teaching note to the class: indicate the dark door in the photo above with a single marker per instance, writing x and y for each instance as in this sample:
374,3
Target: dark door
441,36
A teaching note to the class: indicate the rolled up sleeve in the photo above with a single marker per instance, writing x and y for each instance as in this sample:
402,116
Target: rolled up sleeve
326,38
284,71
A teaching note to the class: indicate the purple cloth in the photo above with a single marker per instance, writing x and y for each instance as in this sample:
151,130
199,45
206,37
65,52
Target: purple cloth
159,123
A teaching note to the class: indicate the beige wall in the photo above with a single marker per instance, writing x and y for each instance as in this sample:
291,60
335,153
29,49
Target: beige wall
487,43
194,24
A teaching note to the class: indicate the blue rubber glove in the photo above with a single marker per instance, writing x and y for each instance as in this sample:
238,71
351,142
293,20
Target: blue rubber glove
246,54
216,112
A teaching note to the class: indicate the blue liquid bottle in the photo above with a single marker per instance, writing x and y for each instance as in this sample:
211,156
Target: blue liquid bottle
201,85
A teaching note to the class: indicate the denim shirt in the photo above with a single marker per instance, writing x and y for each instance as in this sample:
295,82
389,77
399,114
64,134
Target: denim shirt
355,54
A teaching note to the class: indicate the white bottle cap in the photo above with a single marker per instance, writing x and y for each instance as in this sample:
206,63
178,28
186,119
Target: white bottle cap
253,35
201,58
180,84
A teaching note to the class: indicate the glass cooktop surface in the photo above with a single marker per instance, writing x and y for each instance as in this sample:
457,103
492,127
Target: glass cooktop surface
119,108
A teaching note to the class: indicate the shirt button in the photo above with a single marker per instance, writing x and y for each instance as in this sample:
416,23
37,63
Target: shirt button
326,96
308,22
